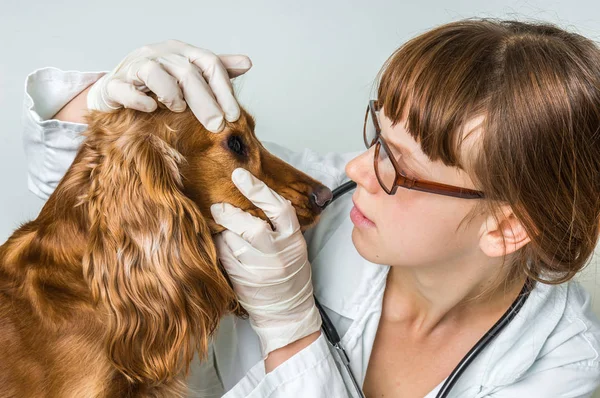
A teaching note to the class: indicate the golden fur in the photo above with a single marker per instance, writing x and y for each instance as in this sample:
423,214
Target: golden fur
116,285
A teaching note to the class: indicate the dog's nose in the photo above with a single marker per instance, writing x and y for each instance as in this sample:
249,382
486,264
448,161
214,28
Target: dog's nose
321,196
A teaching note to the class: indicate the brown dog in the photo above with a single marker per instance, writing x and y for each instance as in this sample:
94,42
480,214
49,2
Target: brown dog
116,284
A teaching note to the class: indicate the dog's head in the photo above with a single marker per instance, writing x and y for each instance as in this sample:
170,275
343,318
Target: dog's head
210,158
150,259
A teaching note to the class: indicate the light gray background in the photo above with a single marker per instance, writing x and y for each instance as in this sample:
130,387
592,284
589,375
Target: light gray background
314,61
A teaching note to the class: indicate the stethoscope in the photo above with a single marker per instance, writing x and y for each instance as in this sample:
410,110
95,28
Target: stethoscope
334,339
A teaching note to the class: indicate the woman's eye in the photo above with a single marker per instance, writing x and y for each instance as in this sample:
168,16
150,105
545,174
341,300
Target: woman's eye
404,169
236,145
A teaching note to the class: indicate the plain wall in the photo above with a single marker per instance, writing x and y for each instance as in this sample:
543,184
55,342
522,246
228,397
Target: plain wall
315,62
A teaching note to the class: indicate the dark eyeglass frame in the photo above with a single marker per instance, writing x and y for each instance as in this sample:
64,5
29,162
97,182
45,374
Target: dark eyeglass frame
402,180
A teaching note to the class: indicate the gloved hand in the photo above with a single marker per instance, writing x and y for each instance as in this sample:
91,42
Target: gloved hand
269,270
177,73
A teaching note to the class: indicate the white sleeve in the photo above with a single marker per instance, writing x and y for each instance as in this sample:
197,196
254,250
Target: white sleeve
310,373
570,381
51,145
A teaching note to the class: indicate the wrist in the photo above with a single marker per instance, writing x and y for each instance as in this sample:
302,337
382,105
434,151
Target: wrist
280,331
76,110
280,355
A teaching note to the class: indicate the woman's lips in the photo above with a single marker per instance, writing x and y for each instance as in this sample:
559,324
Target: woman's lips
359,219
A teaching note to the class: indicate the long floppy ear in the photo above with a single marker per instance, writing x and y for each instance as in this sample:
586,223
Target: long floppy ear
150,259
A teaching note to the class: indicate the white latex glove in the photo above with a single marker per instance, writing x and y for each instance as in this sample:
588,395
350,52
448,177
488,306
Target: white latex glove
177,73
269,270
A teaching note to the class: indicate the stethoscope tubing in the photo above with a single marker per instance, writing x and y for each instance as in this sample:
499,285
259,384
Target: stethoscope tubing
342,189
333,337
487,338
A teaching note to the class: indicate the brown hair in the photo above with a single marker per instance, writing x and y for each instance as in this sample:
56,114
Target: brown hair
537,88
116,286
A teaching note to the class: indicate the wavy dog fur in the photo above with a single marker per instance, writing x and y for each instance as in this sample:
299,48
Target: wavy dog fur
115,286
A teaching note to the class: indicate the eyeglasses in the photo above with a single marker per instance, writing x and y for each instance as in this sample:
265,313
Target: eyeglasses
389,165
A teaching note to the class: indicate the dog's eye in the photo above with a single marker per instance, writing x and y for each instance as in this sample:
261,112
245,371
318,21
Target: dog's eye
236,144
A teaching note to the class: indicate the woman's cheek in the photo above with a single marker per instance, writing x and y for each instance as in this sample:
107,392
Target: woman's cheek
413,231
409,240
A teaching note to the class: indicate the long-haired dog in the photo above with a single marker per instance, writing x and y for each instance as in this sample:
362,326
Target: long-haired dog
116,285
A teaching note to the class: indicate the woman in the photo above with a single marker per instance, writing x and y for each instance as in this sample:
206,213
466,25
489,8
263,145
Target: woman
481,177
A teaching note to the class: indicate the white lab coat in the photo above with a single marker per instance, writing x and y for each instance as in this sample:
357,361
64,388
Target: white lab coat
549,350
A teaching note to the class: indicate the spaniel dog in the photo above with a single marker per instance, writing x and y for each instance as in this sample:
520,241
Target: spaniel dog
116,285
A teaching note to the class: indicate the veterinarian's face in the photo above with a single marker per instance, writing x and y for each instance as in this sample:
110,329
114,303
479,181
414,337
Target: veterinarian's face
211,158
411,228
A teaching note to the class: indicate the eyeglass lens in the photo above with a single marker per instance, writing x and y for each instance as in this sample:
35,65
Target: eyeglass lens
384,169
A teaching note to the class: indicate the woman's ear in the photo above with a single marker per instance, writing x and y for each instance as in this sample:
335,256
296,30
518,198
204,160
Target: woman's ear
502,234
150,260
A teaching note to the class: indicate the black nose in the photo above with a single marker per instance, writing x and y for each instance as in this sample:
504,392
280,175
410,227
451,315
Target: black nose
321,196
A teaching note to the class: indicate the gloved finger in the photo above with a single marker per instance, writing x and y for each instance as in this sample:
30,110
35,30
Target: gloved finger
255,231
237,271
226,254
217,78
128,96
229,246
252,267
223,251
279,210
236,64
161,83
196,91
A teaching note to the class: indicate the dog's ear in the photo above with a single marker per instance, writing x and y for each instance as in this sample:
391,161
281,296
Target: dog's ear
150,259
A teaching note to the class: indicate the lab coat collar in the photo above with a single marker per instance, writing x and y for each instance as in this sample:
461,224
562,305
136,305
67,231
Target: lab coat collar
514,350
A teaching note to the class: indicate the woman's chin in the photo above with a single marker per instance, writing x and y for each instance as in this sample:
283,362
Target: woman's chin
367,250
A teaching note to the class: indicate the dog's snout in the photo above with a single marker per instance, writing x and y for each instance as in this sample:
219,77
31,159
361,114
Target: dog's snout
321,196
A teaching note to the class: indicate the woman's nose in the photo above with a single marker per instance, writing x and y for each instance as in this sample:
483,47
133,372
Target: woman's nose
361,170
